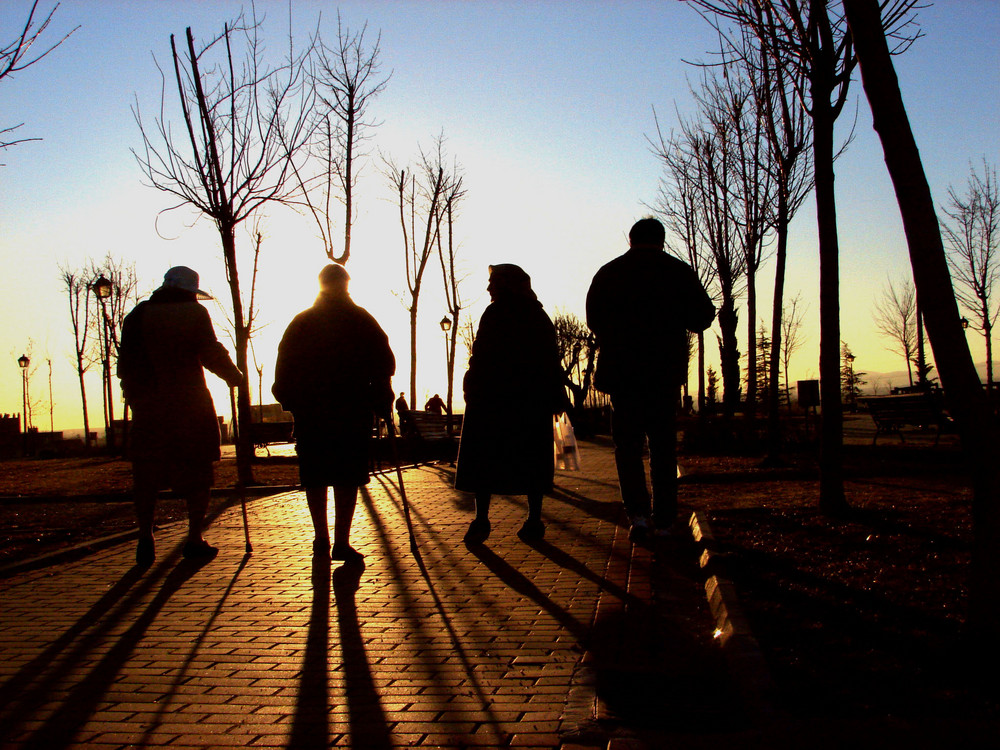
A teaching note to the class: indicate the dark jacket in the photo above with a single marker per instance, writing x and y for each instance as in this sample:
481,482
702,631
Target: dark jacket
512,389
640,306
166,342
334,359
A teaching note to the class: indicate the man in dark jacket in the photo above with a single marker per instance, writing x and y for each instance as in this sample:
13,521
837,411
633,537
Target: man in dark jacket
167,344
333,373
640,307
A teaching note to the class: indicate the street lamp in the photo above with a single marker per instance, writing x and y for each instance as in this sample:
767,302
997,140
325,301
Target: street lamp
23,363
445,327
965,323
102,288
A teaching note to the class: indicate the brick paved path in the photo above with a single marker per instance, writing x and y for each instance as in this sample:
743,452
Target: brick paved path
572,642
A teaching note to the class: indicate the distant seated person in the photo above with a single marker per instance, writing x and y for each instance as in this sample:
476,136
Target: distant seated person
435,405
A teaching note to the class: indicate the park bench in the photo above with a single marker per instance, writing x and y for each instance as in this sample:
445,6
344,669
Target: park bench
427,436
263,434
922,409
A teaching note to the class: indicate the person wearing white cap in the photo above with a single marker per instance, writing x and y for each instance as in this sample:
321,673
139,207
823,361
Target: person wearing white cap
167,343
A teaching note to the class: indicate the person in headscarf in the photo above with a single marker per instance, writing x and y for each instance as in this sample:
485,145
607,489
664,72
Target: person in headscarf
513,387
333,373
166,342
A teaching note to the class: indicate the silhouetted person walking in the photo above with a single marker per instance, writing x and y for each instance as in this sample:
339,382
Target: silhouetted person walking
167,340
333,373
435,405
640,307
512,389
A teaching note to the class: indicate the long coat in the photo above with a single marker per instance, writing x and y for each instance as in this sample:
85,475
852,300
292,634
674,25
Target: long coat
512,389
167,343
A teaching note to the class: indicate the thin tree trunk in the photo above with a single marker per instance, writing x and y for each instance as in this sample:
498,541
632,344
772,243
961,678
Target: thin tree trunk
832,499
244,448
86,416
774,376
967,402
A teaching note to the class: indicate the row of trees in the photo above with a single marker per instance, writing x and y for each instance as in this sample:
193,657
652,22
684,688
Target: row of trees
814,46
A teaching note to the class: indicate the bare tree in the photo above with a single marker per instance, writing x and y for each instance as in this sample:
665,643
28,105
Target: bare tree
729,103
577,354
792,318
709,142
244,125
419,197
21,53
895,317
968,404
972,238
346,80
453,194
77,288
115,299
679,205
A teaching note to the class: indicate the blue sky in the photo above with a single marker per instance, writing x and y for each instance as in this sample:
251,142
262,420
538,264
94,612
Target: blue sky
546,105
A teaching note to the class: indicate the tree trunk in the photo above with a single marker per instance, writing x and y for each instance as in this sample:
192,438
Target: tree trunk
86,416
701,371
730,356
751,400
966,400
831,483
774,376
244,448
413,349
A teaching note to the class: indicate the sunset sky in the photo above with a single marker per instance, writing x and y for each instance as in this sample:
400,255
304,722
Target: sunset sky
546,106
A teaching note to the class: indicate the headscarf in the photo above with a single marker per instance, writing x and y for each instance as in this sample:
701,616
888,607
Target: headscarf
509,280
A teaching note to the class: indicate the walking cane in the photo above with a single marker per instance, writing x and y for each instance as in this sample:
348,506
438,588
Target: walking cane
239,485
391,429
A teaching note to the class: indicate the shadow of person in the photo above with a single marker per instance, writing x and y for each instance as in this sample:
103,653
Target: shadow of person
61,727
311,722
519,583
567,561
368,724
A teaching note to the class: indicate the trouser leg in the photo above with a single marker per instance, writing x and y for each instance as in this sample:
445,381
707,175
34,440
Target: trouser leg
628,433
345,499
663,464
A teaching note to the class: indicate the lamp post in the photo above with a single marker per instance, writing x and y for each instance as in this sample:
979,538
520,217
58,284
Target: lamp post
445,327
23,363
102,288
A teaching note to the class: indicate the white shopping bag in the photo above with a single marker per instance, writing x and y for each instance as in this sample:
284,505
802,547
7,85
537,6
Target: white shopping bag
567,455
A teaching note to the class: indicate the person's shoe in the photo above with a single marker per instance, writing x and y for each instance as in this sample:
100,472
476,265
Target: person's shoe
665,533
479,531
321,547
532,530
145,551
347,553
200,551
639,532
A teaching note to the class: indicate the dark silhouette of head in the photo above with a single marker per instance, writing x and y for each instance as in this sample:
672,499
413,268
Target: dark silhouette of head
333,279
508,281
647,233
